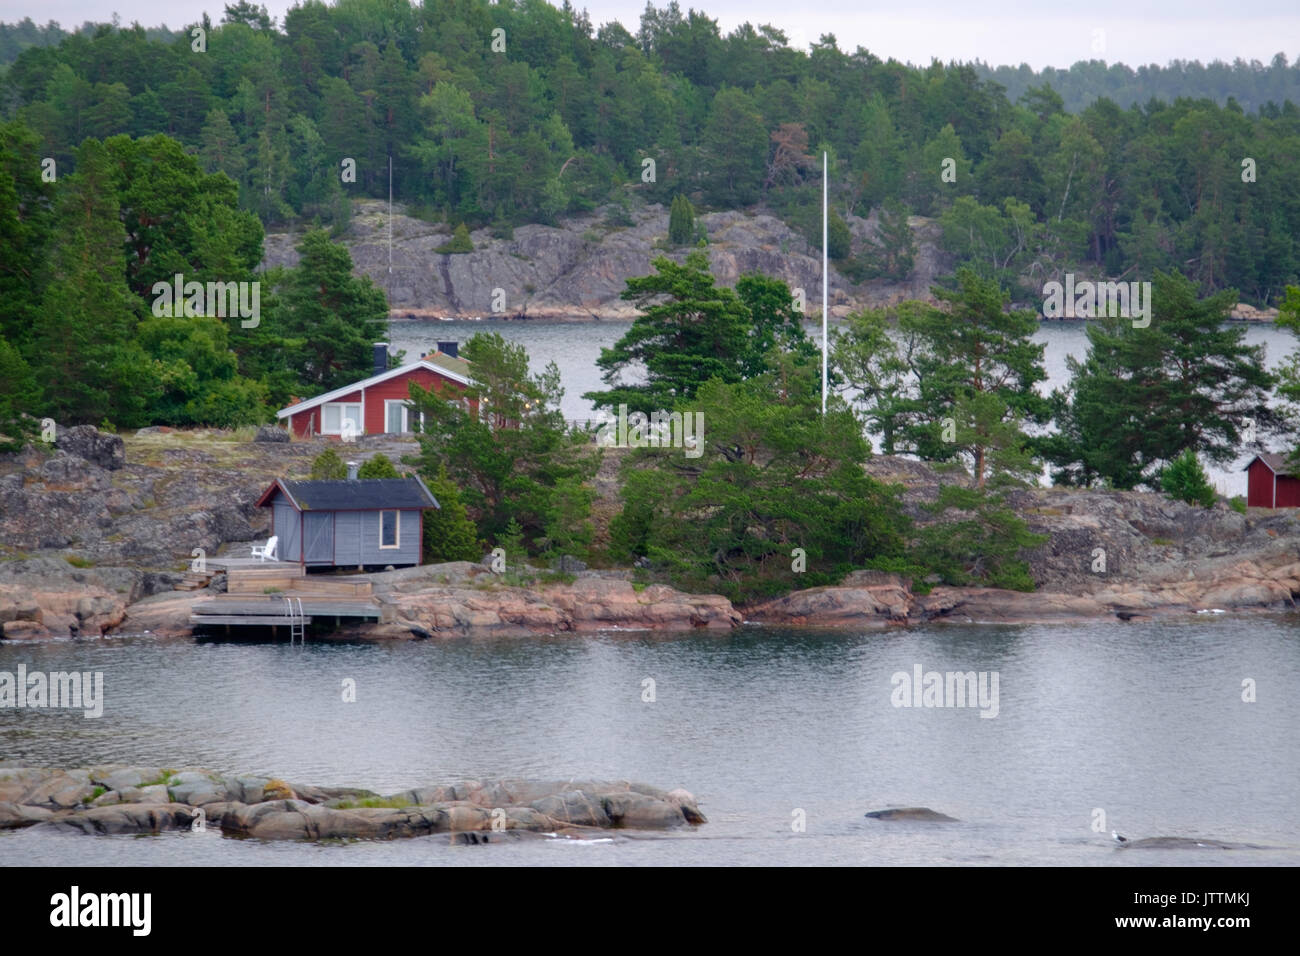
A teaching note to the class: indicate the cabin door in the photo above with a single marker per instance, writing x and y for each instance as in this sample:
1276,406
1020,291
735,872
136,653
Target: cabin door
318,537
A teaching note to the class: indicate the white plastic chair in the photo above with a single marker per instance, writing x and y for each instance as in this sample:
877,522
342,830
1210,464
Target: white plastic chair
267,550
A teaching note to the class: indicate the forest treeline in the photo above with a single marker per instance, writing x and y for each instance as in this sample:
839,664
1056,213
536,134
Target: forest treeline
91,330
520,112
1253,85
766,492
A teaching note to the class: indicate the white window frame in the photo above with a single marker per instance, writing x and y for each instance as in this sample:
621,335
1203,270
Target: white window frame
397,530
343,416
408,413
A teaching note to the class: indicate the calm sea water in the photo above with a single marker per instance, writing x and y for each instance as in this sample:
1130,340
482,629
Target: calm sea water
1143,721
575,346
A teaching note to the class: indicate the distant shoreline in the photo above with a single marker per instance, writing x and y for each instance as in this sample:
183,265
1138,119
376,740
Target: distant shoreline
569,318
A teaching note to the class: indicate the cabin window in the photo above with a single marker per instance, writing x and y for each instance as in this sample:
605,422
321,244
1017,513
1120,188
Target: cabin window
395,416
341,418
400,417
389,529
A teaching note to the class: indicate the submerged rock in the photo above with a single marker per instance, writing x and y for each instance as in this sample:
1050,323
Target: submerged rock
1184,843
918,814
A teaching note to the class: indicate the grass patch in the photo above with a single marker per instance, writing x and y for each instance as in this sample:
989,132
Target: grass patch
96,794
375,803
1163,542
77,561
163,777
557,577
1238,504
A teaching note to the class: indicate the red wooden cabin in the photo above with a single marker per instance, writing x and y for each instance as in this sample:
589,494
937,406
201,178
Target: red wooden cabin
1270,483
379,404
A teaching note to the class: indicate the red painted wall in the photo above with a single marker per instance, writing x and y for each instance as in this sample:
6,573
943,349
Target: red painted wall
1259,485
1259,488
397,388
1288,492
307,423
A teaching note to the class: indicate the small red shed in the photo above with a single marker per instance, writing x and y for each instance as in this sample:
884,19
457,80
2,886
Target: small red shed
379,404
1270,483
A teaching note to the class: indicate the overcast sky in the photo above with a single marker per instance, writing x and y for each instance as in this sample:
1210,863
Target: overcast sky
1036,32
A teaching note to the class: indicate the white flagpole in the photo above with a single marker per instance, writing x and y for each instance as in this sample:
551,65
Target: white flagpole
825,276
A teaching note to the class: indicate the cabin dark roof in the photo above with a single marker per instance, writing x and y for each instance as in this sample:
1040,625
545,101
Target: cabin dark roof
1276,463
358,494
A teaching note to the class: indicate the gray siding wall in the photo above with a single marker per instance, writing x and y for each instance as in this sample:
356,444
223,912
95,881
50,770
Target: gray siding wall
286,527
318,530
408,553
347,538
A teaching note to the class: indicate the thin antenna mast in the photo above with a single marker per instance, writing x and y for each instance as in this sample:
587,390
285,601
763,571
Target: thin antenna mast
825,277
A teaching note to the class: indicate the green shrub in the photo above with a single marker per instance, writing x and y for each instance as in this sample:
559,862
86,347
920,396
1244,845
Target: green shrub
1238,504
460,242
328,466
379,466
1185,479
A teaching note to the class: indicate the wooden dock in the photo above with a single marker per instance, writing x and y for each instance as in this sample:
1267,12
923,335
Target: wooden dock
278,594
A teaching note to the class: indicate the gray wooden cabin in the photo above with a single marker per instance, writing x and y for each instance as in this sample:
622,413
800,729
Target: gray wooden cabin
350,523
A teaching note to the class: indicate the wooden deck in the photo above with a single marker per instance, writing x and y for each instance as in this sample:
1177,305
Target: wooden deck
277,594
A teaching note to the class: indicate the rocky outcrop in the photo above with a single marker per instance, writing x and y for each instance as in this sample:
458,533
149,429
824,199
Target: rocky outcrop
580,267
110,545
267,808
86,532
272,433
1245,312
44,596
463,598
90,444
1262,583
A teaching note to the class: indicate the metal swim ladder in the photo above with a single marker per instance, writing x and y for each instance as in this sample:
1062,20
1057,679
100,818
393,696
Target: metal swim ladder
297,625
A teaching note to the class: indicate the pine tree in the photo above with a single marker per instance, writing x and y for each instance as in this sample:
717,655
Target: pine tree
681,221
1146,394
891,252
330,317
688,332
977,373
1185,479
449,534
20,399
83,344
839,240
1289,374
